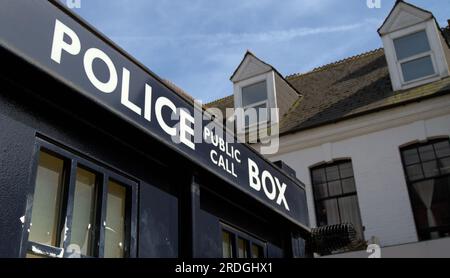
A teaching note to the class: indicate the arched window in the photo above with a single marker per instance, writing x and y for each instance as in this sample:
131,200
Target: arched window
427,169
335,196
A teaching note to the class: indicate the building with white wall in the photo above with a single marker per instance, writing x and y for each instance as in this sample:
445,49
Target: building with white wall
369,135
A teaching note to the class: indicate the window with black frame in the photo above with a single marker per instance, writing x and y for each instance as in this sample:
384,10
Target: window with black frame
79,209
427,168
335,195
237,244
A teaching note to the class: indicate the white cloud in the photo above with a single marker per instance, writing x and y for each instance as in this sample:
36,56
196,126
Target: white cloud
247,38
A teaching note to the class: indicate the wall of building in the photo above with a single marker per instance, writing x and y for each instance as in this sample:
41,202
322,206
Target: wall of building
372,142
439,248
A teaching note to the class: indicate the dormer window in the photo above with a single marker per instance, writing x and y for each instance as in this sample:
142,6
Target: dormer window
416,51
414,56
255,96
259,87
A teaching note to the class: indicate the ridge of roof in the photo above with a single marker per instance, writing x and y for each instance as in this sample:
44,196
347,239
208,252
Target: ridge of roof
217,100
336,63
182,93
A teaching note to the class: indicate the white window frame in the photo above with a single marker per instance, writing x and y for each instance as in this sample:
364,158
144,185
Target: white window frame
270,101
429,53
436,53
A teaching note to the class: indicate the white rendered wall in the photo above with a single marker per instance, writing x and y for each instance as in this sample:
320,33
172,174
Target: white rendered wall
372,142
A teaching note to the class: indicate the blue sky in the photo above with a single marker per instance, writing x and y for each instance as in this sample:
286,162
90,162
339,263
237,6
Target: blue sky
197,44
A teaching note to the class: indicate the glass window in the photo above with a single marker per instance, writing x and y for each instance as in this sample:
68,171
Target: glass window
69,214
257,114
115,221
411,45
429,187
227,245
254,94
246,246
257,252
413,54
417,68
47,200
242,248
335,195
84,212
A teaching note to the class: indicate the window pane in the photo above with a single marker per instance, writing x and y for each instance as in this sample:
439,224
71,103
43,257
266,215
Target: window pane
328,213
411,45
242,248
227,245
320,191
83,212
254,93
430,169
442,149
115,221
426,153
257,251
411,157
334,188
418,68
346,170
47,200
332,173
414,172
349,212
444,164
31,255
348,185
257,114
318,176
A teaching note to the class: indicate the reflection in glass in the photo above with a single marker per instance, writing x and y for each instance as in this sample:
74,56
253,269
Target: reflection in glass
257,252
418,68
227,245
411,45
47,200
242,248
115,221
83,212
254,93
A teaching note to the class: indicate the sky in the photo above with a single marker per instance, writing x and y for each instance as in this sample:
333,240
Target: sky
198,44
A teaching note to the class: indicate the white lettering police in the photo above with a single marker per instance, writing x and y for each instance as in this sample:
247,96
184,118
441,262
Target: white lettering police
271,185
223,154
182,132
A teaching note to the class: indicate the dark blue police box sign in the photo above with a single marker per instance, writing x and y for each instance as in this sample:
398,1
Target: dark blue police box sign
56,41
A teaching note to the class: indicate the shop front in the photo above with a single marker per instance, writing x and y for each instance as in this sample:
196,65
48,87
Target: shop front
100,158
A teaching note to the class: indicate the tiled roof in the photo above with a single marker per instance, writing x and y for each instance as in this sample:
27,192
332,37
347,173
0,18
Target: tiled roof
446,33
349,88
222,104
344,89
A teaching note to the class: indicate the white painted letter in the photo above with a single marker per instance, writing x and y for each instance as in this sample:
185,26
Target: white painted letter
125,96
148,103
281,198
271,195
253,173
89,58
59,44
160,103
186,130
